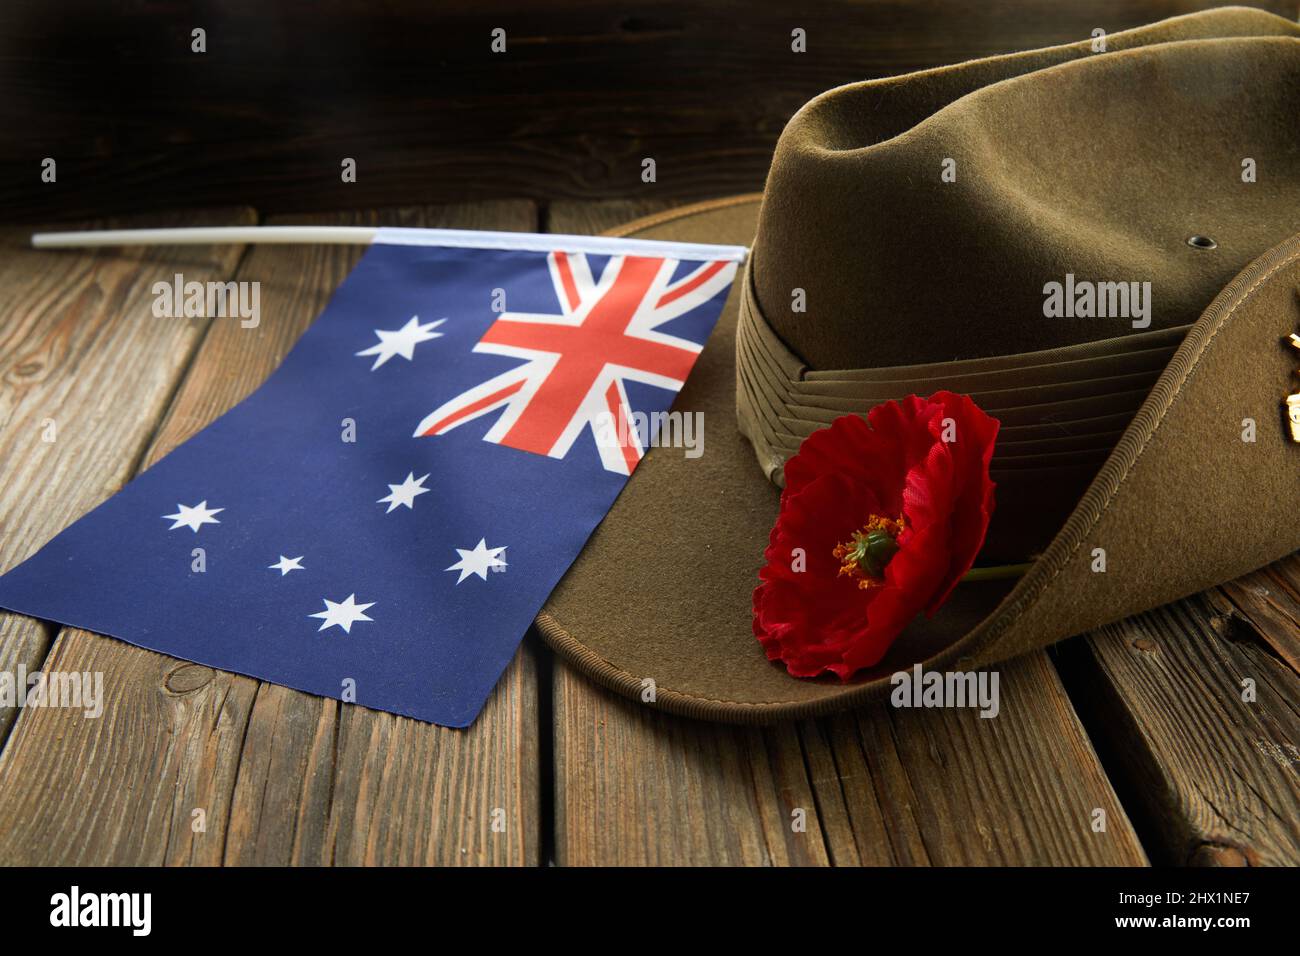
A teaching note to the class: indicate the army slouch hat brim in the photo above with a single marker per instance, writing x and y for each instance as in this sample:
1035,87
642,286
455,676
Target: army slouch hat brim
1162,439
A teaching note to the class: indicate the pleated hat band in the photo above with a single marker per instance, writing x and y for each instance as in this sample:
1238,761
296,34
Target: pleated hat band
1062,410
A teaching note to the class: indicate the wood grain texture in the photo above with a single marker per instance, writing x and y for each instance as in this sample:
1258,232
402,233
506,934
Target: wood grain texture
273,775
85,363
284,777
874,787
585,90
878,786
1212,777
1270,599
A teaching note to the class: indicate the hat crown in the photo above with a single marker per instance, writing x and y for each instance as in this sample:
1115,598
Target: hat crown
925,218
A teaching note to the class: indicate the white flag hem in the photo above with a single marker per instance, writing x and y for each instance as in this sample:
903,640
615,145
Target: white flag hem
549,242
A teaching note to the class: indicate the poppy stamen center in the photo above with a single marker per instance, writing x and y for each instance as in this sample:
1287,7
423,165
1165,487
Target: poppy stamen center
864,556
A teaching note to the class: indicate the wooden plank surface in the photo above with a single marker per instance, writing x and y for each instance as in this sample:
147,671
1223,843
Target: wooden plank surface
82,354
1270,599
1212,776
281,776
878,786
190,764
583,93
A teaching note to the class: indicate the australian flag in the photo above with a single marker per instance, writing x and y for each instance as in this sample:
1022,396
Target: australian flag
383,518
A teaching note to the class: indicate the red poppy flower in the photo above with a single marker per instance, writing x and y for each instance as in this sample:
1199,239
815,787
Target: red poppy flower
878,522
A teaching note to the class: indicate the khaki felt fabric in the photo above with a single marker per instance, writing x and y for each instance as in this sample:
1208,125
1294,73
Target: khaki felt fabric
780,402
1124,350
1002,398
1100,165
1023,449
1066,410
1005,387
1112,424
1147,360
1102,425
662,590
1089,370
1184,502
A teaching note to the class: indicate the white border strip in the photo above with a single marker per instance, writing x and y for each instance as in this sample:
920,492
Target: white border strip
365,235
546,242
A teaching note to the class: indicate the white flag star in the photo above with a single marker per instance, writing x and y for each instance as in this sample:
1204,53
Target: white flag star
193,516
285,565
402,341
478,561
342,613
404,494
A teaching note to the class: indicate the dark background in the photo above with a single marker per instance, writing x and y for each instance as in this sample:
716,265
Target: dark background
413,92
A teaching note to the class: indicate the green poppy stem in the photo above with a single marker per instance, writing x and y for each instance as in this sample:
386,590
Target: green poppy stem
999,572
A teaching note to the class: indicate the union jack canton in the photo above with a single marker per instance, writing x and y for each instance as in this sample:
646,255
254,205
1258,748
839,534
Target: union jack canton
577,362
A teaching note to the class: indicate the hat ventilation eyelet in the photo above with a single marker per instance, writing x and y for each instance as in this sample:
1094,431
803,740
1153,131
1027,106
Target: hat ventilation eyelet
1201,242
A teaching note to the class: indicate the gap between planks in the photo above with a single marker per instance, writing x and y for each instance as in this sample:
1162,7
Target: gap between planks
1210,772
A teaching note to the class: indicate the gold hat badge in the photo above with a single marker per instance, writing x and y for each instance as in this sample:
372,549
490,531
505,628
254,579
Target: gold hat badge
1293,400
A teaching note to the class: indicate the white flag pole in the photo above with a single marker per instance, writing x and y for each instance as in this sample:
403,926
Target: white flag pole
206,235
368,235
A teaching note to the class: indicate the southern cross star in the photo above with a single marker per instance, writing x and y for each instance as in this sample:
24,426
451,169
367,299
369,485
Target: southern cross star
193,516
402,341
285,565
404,494
479,560
343,613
